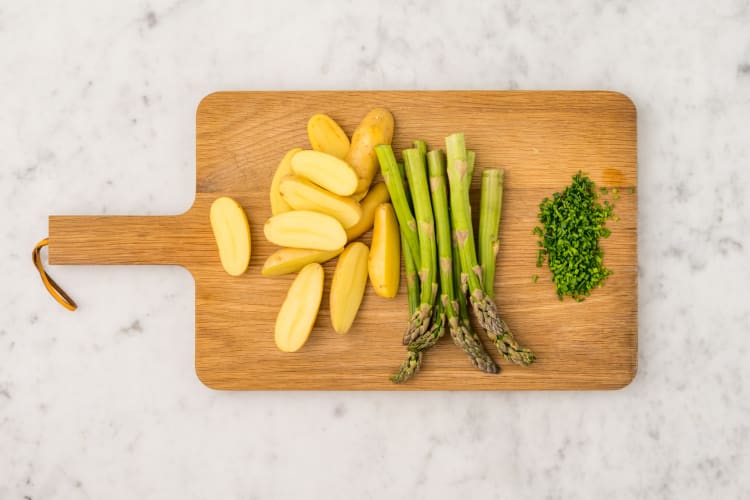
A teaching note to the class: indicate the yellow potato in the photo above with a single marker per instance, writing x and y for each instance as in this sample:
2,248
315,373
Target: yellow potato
325,135
302,194
384,262
325,170
291,260
348,286
305,229
278,205
232,233
376,128
378,194
300,308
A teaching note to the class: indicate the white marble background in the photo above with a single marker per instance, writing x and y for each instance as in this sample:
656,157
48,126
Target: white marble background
98,101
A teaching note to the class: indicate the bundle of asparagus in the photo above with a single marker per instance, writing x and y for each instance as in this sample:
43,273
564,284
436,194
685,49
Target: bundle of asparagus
439,253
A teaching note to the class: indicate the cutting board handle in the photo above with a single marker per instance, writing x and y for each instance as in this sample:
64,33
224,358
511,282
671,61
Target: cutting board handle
119,240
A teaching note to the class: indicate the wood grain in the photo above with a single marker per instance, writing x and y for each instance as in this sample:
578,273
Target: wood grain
540,138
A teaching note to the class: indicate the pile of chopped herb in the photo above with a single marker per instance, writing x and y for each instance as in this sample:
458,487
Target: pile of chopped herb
571,224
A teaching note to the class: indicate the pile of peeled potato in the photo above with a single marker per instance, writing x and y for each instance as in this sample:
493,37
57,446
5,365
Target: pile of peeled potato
322,200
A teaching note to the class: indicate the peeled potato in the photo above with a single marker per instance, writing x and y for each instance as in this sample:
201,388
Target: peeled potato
378,194
326,135
291,260
300,308
325,170
384,262
348,286
278,205
232,233
305,229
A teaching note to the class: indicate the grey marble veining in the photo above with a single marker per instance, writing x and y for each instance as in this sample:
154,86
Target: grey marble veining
98,103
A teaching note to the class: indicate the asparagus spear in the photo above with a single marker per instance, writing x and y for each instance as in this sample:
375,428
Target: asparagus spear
412,282
470,158
410,267
415,172
483,306
402,175
409,367
490,208
464,335
395,184
443,309
413,361
414,357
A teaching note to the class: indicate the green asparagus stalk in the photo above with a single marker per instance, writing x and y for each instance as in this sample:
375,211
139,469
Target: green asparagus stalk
421,146
413,361
402,174
415,347
463,334
470,158
483,306
439,195
415,172
490,210
444,308
395,184
412,281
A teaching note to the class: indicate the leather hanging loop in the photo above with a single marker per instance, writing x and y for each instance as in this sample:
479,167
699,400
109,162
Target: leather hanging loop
53,288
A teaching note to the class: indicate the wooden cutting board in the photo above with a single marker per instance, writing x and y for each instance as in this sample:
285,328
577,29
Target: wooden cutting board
540,138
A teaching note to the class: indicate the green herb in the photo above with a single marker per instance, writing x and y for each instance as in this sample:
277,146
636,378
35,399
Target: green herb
631,190
603,190
571,224
534,278
614,190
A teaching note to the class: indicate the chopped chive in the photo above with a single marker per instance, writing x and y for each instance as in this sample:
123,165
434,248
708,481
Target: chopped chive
572,222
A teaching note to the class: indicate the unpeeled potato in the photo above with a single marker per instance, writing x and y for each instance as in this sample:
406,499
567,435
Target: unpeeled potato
376,128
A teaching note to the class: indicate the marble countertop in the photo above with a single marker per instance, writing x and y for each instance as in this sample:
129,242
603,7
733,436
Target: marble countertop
98,102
